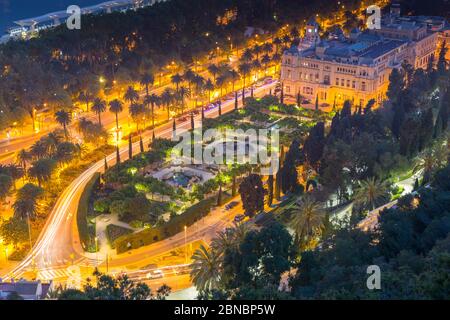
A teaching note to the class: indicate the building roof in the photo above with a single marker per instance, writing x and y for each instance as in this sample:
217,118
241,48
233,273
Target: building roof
367,48
25,288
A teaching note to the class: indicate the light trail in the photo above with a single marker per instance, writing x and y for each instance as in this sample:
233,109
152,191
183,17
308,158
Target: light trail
42,254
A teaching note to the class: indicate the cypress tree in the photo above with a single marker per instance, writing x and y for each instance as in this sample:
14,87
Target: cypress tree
416,185
317,102
174,129
282,94
251,92
141,144
236,102
271,194
117,155
220,108
278,175
397,121
130,148
219,196
442,62
426,129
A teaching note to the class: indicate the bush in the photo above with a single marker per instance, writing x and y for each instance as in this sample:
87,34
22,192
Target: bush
102,205
86,229
174,226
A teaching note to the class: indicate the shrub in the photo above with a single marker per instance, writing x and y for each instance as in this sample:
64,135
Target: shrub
174,226
102,205
86,229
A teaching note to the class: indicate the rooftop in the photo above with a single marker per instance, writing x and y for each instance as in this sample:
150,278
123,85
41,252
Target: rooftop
364,50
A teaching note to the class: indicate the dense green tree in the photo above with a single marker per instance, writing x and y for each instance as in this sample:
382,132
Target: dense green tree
42,170
252,194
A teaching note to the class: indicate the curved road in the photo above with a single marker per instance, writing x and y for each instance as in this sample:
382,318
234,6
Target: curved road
58,245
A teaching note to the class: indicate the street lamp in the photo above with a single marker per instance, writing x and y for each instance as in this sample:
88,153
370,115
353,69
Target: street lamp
96,250
185,244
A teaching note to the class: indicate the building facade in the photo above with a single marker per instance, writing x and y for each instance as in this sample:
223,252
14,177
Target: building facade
357,68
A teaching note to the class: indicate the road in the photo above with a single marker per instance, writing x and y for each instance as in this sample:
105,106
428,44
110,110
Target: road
58,245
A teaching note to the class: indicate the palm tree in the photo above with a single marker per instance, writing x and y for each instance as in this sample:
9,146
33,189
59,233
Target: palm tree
146,81
214,70
99,107
153,100
83,124
277,42
267,48
247,55
234,76
308,221
131,95
25,205
206,269
116,107
220,83
223,241
198,82
23,157
256,65
137,111
244,69
431,160
177,79
370,193
167,99
189,76
42,170
39,150
52,141
265,61
64,118
257,50
209,87
182,94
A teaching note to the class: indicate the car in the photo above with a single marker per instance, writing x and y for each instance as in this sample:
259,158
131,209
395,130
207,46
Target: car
239,218
229,96
155,274
231,205
268,80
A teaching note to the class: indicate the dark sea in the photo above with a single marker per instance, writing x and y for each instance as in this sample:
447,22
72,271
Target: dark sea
12,10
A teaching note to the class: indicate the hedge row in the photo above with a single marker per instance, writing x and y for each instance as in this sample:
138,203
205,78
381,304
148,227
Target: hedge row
174,226
86,230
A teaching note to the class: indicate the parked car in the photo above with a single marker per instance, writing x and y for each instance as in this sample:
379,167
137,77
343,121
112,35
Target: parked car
239,218
231,205
268,80
155,274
